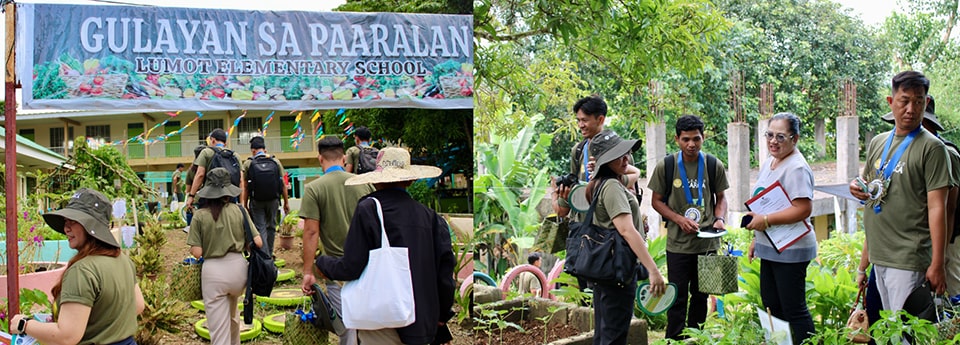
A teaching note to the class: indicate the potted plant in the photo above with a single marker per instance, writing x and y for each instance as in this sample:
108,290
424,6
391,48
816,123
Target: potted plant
286,231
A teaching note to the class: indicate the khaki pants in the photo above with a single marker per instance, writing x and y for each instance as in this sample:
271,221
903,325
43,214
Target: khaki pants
386,336
222,281
952,266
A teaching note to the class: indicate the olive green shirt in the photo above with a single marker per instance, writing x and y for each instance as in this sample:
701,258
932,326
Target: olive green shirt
677,240
330,202
899,236
614,200
221,236
353,158
178,179
108,286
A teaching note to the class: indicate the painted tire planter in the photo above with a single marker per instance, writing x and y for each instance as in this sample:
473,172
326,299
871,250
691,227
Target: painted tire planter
513,273
246,332
275,322
285,274
43,280
198,304
285,297
480,276
279,262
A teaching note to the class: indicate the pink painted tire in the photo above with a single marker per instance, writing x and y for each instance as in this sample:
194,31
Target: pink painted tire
554,274
515,272
466,285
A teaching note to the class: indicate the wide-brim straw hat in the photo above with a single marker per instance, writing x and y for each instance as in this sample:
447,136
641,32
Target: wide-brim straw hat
91,209
393,165
930,113
608,146
217,184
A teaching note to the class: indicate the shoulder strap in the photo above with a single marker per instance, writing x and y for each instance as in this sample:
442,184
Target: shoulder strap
579,157
712,172
246,227
384,242
668,163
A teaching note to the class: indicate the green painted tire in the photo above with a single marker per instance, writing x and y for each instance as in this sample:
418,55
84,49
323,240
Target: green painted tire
245,334
279,262
285,297
285,274
276,322
198,305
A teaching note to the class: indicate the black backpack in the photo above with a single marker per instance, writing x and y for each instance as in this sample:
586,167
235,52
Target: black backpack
224,158
261,271
670,162
367,161
263,178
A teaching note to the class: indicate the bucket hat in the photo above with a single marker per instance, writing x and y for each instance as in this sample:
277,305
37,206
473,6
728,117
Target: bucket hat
91,209
393,165
929,113
217,185
608,146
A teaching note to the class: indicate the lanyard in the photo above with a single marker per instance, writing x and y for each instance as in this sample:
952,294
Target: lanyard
583,160
686,184
887,166
333,168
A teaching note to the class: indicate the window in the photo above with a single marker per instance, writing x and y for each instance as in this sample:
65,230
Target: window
286,130
57,140
28,133
207,126
99,133
248,128
135,149
172,144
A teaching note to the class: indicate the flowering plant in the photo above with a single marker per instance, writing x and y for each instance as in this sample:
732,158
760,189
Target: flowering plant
31,233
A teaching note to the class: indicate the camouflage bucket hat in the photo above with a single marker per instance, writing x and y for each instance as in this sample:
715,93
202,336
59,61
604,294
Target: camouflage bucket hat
606,147
217,184
91,209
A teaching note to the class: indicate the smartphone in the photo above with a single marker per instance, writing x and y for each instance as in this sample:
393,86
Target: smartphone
745,220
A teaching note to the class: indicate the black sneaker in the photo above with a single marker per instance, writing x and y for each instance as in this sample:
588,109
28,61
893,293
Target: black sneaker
711,233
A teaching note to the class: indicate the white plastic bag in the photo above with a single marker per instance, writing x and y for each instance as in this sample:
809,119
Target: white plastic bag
383,295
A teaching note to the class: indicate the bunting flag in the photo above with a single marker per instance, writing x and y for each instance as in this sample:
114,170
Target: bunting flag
316,115
236,123
263,130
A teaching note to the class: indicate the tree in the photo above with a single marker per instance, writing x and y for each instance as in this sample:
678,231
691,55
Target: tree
617,37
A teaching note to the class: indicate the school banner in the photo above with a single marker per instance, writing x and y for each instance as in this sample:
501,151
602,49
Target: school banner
126,57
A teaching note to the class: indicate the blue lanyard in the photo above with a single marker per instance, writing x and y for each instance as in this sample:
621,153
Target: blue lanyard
586,172
686,184
333,168
888,166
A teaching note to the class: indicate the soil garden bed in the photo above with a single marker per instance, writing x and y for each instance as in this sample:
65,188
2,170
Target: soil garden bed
532,334
176,250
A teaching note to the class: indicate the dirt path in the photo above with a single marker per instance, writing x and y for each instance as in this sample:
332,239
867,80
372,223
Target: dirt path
176,250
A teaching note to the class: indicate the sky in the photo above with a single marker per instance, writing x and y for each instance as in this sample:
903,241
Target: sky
872,12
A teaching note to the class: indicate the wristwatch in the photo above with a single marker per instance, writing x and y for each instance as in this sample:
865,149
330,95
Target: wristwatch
22,325
721,219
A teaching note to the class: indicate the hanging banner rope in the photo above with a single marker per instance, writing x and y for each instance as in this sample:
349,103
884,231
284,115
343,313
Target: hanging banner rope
263,130
236,123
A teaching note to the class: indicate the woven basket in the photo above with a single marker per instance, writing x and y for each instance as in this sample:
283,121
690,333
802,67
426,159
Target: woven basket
186,281
113,84
297,332
717,274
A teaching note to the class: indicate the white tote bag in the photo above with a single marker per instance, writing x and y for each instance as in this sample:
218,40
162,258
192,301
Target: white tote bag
383,296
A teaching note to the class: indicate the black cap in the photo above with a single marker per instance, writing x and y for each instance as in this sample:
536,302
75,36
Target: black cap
257,143
219,135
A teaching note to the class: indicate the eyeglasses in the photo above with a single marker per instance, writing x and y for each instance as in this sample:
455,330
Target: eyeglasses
780,137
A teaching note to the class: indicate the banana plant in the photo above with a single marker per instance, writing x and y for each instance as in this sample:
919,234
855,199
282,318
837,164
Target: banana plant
508,188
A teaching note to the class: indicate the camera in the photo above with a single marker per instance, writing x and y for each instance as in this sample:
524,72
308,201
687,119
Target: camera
568,180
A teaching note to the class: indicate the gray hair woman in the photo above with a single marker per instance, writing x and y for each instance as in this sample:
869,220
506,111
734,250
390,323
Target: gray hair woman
783,273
